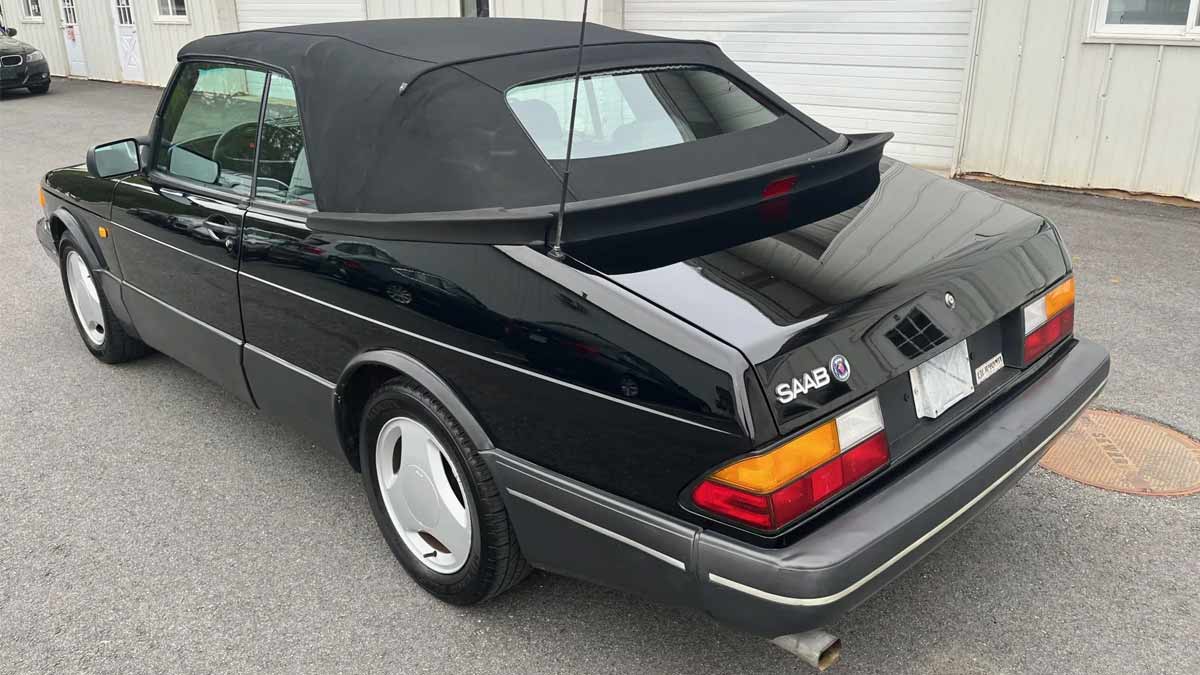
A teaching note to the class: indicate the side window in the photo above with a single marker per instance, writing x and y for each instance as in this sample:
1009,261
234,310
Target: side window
210,124
283,175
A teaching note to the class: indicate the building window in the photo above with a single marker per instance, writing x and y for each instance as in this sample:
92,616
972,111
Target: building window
1153,21
172,10
33,9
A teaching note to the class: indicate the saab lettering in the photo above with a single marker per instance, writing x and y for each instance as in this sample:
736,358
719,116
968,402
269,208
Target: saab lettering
786,393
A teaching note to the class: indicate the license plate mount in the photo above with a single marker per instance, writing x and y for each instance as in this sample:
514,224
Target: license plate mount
942,381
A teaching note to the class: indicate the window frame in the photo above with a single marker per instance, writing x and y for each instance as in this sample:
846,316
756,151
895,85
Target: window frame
779,111
1099,31
27,14
172,17
267,204
171,180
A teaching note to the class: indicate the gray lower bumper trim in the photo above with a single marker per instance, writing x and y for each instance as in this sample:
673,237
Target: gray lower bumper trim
830,599
678,564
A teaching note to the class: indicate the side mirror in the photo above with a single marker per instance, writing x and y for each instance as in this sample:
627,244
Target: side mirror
12,32
114,159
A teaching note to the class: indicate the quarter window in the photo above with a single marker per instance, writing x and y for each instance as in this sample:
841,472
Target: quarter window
628,111
209,127
1147,20
283,176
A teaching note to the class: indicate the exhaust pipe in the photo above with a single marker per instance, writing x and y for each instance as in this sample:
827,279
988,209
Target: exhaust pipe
816,647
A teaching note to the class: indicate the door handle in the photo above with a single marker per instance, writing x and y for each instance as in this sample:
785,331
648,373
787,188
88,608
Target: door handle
213,229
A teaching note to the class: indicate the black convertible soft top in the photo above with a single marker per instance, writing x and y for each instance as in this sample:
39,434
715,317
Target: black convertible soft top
407,120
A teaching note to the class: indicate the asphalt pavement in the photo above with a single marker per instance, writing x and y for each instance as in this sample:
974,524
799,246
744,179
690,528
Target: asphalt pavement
152,523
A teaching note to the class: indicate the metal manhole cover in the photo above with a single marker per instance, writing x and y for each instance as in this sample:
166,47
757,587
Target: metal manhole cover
1121,452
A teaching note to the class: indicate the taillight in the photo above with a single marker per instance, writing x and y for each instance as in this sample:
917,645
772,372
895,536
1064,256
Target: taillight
770,490
1048,320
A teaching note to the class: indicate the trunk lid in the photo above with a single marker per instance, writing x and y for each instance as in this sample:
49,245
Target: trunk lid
870,284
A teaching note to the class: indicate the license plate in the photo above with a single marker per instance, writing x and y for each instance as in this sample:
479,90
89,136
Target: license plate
942,381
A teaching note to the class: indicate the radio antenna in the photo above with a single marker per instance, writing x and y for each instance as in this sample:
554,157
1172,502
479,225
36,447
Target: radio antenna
556,247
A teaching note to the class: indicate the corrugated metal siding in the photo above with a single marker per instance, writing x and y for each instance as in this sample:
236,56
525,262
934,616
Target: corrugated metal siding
45,35
99,38
607,12
855,65
160,42
254,14
1047,108
400,9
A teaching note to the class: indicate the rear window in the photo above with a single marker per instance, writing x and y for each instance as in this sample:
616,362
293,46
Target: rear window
632,110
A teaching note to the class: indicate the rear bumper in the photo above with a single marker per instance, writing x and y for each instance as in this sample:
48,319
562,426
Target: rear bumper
567,527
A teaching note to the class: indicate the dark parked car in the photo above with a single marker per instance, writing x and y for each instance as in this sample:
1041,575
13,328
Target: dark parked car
22,66
771,371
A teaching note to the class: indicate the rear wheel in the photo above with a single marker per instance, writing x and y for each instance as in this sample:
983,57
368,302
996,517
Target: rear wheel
102,333
434,498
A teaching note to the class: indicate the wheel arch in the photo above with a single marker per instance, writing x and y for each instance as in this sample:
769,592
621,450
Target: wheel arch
368,371
63,221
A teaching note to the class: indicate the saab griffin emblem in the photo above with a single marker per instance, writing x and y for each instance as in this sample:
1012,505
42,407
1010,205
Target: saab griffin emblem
840,367
786,392
950,301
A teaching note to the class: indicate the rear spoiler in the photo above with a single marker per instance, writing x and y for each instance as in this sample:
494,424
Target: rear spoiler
818,184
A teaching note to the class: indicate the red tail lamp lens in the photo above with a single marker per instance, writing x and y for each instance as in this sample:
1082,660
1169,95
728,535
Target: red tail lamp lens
1051,333
734,504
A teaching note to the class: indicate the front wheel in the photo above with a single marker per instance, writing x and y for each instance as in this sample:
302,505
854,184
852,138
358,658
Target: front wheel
434,498
102,333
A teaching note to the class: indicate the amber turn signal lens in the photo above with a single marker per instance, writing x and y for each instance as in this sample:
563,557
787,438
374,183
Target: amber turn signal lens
770,471
41,197
102,231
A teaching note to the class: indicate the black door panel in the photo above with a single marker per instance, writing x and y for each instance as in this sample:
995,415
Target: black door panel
203,348
180,248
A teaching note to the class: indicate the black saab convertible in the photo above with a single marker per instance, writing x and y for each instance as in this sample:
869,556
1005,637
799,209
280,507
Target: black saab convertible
769,370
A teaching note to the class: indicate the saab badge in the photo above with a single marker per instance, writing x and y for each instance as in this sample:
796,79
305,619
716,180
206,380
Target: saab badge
950,301
840,367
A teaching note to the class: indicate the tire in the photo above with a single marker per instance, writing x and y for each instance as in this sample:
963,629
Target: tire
494,563
115,345
40,89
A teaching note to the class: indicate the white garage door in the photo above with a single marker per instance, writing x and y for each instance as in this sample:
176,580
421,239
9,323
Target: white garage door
254,14
854,65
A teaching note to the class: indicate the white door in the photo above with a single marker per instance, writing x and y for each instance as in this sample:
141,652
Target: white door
857,66
76,63
127,42
254,14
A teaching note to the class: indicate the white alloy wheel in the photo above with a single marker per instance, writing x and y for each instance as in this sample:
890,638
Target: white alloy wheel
85,299
424,495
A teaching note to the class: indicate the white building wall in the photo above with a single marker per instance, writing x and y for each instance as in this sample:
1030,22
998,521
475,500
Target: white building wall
1046,107
402,9
607,12
45,34
854,65
160,41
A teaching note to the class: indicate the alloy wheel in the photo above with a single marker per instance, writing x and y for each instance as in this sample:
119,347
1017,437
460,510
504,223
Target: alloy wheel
85,299
424,495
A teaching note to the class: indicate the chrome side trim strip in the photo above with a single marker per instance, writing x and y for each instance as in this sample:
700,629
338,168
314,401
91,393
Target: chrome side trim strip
176,248
829,599
677,564
290,366
189,317
482,357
